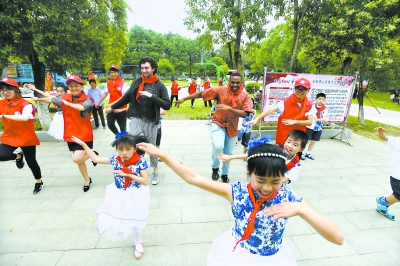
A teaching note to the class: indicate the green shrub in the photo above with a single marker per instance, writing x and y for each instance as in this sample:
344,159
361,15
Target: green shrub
252,87
102,80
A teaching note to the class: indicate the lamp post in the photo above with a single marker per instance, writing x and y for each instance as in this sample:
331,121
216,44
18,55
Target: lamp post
191,54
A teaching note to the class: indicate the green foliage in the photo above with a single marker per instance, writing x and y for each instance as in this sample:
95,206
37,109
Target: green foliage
252,87
165,68
103,79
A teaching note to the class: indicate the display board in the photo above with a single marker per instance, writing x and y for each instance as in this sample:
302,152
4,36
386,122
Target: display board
338,90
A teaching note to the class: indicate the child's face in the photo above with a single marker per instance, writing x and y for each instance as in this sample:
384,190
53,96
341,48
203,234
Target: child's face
60,91
291,147
265,186
92,85
125,152
320,101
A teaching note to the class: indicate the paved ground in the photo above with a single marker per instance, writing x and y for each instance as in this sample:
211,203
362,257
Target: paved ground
56,226
385,117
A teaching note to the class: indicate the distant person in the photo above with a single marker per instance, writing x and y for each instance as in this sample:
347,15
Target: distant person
146,96
95,94
221,82
293,111
174,90
116,88
314,132
206,86
17,115
191,90
232,102
383,203
198,81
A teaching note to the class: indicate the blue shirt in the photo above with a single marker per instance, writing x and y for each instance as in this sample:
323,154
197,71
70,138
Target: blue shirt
95,94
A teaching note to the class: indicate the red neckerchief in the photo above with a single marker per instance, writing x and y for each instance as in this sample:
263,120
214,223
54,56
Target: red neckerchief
151,79
231,93
133,160
257,204
295,160
294,100
319,110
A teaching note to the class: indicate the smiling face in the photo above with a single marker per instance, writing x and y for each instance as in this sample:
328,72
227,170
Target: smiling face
146,70
8,92
301,92
60,91
264,185
291,147
114,74
125,151
75,88
235,82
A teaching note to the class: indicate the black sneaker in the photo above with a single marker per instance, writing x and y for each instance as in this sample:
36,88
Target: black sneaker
215,174
225,179
20,162
38,188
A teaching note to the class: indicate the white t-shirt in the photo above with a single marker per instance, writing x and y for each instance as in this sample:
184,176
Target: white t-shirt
27,110
293,173
281,108
394,144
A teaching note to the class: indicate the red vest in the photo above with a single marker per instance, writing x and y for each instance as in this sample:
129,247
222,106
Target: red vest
192,88
292,111
207,85
74,124
17,133
115,89
175,88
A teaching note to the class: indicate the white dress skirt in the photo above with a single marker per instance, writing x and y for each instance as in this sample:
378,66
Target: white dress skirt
221,253
57,126
123,210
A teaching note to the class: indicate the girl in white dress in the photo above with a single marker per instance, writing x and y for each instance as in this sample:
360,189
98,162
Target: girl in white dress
57,124
126,204
260,209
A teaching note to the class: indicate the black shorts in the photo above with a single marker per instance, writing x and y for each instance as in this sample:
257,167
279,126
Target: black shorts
246,138
395,183
158,139
73,146
313,135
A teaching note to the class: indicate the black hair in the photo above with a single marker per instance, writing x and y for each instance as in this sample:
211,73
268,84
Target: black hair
236,74
129,140
172,79
92,80
299,135
266,165
10,87
65,88
151,61
321,94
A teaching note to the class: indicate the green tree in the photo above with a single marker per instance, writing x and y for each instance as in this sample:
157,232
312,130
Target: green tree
227,22
61,35
165,68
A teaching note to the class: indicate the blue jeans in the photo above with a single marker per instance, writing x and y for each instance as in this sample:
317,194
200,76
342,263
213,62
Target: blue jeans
221,143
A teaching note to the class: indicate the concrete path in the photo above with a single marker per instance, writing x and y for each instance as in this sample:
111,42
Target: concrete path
56,226
387,117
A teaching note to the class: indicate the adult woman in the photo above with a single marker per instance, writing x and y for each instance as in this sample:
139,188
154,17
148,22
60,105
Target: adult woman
17,115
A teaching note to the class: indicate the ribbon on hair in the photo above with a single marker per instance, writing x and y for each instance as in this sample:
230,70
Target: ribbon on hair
120,134
257,141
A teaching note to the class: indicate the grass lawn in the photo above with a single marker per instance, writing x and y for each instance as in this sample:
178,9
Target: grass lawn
381,100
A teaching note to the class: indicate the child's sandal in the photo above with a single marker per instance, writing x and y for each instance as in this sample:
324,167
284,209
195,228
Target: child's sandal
138,250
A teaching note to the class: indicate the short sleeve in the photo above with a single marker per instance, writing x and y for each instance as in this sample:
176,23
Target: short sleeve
393,142
209,94
56,101
27,111
293,173
291,195
87,104
143,164
281,107
125,88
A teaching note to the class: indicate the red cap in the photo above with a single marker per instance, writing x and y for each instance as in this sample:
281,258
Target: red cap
10,82
114,67
303,82
74,78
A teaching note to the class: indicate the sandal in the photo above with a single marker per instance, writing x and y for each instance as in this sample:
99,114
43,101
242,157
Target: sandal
138,250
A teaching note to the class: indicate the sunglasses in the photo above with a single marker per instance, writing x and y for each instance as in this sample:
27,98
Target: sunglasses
300,88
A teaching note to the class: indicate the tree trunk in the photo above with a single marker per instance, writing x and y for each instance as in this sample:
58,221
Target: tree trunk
346,65
298,16
361,113
230,63
38,69
237,55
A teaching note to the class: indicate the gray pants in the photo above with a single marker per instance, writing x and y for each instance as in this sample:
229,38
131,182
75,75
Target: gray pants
138,126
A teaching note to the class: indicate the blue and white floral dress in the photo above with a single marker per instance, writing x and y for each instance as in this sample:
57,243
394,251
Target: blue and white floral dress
123,210
266,245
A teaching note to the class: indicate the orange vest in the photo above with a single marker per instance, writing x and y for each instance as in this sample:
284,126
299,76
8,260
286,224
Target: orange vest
292,111
207,84
175,88
74,124
114,88
192,88
17,133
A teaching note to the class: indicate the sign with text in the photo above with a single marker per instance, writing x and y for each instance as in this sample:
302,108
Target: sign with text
338,90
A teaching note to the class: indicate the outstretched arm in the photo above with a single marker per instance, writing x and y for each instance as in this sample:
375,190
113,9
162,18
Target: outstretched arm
46,99
188,174
325,227
92,155
265,113
195,95
33,88
142,179
226,158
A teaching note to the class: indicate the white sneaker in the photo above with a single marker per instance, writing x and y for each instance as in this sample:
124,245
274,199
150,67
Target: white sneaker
154,181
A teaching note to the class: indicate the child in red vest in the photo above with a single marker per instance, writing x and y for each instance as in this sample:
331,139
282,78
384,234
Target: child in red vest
17,115
293,111
174,90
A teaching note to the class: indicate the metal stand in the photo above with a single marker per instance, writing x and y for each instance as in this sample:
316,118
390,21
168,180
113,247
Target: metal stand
262,102
343,131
